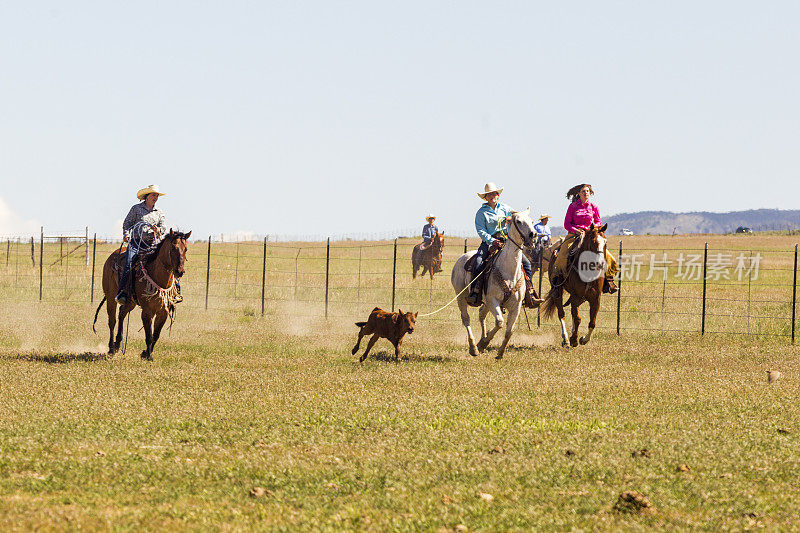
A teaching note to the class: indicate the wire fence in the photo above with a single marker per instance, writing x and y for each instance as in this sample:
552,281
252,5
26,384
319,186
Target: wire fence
662,289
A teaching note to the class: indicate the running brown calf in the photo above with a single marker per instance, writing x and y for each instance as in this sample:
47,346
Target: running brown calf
383,324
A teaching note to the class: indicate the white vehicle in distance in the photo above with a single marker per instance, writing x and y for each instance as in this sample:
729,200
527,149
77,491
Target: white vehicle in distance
626,231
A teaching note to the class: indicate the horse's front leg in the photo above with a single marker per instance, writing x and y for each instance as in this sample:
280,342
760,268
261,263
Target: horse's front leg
513,314
147,322
594,307
499,321
576,321
160,320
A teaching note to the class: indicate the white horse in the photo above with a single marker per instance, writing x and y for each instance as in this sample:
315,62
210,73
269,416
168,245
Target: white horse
505,287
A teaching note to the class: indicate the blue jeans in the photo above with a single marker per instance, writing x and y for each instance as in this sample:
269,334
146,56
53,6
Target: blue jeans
483,253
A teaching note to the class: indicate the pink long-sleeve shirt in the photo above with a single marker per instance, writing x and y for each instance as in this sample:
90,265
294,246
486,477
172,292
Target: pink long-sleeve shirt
581,216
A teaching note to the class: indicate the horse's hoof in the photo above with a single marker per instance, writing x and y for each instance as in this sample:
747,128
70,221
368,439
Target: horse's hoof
473,351
583,340
482,346
564,343
498,357
146,356
574,343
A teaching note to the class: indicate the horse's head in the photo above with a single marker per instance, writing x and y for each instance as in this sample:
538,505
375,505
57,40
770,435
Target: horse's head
594,239
172,251
439,240
522,226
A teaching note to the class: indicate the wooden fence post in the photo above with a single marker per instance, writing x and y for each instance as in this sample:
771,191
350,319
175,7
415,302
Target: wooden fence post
208,269
327,274
94,256
263,276
538,308
619,287
87,246
394,272
703,319
33,252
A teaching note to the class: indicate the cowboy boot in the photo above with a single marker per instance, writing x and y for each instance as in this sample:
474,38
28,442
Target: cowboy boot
475,294
609,286
122,292
531,299
178,296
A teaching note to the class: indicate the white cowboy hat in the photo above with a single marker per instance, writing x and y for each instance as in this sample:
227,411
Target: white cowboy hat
545,215
142,194
489,187
430,217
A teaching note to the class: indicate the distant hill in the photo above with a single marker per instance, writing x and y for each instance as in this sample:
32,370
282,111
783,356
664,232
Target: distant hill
664,222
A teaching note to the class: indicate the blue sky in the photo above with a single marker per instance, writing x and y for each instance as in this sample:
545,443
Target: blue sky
317,118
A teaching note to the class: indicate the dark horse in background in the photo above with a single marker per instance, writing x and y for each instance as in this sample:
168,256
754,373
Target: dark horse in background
593,240
154,289
428,257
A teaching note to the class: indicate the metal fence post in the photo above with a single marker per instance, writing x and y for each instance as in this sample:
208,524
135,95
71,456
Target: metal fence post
41,260
327,274
619,287
703,319
208,269
538,308
94,256
33,252
394,272
263,276
794,291
465,245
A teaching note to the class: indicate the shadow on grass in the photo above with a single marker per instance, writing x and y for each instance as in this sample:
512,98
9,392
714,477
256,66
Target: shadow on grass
388,357
58,358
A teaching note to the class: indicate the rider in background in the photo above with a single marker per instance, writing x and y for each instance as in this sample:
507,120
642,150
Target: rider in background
490,223
581,214
543,230
147,212
429,232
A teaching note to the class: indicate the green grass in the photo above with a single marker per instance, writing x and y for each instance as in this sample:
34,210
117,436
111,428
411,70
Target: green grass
234,401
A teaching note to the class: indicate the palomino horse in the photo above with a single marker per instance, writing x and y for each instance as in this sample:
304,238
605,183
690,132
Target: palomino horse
154,287
430,258
581,283
505,288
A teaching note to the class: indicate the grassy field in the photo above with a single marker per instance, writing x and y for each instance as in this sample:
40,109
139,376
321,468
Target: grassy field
244,422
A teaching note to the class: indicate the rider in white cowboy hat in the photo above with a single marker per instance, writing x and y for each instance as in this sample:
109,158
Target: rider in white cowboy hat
543,229
147,212
490,223
429,232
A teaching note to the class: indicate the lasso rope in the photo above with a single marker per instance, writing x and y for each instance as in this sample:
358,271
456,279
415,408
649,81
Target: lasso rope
445,306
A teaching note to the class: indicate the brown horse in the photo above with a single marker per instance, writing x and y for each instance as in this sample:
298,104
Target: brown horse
429,258
581,284
154,287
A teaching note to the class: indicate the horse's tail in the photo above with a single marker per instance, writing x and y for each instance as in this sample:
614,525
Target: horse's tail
549,306
97,313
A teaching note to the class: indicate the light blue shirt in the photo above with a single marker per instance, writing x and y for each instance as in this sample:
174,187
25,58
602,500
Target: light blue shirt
489,221
542,229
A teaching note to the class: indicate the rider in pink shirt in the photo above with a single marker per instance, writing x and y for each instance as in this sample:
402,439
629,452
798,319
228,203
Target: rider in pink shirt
580,216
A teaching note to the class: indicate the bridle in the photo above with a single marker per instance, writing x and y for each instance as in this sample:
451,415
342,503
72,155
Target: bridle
525,242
